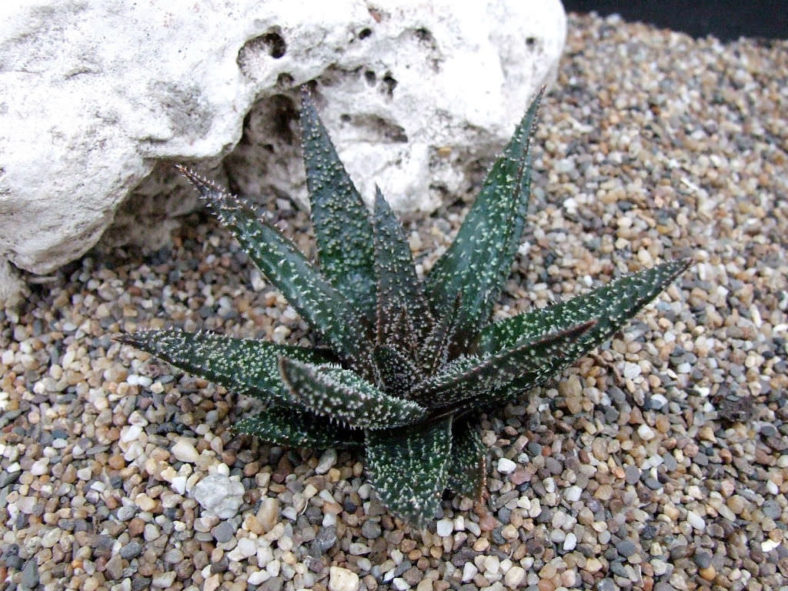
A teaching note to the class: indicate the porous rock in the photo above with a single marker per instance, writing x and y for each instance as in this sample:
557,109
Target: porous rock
100,97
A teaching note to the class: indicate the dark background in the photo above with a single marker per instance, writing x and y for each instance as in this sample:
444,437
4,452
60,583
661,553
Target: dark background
725,19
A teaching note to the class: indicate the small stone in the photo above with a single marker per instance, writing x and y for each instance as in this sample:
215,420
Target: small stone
626,548
631,370
708,573
219,495
131,550
514,577
444,527
30,574
469,571
645,432
506,466
164,580
327,461
593,565
570,542
371,529
268,513
184,451
572,493
696,520
632,474
246,547
342,579
223,532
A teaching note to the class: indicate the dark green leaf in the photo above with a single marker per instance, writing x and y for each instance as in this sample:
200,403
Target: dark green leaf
471,377
436,348
397,371
342,395
409,468
468,469
342,225
481,256
610,305
320,304
287,426
398,285
244,366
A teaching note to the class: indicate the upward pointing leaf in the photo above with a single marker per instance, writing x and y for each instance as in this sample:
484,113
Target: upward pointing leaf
318,302
398,285
245,366
481,256
342,225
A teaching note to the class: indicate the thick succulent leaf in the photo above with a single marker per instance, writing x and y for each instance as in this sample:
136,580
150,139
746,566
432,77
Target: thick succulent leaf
468,468
409,468
290,427
342,225
343,396
471,377
398,285
481,256
611,305
318,302
397,371
436,347
245,366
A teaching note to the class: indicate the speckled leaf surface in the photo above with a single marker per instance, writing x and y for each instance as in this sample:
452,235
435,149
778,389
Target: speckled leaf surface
244,366
481,256
343,396
287,426
468,467
409,468
396,370
342,224
318,302
610,305
398,285
471,377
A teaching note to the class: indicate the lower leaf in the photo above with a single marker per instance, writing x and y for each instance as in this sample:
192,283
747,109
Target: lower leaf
409,468
289,427
468,469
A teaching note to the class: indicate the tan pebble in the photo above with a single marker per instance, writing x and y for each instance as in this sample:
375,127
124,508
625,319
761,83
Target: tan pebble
708,573
268,514
144,502
424,585
545,585
212,583
593,565
706,433
604,492
136,527
736,503
116,462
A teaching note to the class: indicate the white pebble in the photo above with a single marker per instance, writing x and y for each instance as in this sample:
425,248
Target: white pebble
506,466
645,432
469,571
247,547
341,579
573,493
444,527
327,461
258,577
184,451
631,370
514,577
696,520
570,542
219,495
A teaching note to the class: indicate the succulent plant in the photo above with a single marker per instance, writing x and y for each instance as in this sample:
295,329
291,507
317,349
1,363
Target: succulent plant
409,365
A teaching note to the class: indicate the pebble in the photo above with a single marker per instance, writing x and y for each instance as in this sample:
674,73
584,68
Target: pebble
506,466
184,451
444,527
219,495
342,579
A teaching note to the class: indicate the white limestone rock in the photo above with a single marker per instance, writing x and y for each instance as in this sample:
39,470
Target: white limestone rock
219,495
98,97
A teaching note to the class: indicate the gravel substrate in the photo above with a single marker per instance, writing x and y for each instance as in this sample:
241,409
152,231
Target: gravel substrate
659,462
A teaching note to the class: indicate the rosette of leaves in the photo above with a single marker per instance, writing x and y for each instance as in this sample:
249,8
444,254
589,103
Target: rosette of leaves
407,366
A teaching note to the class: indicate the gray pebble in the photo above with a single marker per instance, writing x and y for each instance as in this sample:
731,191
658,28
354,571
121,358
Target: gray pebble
224,531
126,512
632,474
325,539
771,508
131,550
702,558
371,529
30,575
626,548
273,584
606,585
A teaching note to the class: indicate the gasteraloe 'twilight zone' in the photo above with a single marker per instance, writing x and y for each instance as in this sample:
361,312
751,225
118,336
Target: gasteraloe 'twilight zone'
412,364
